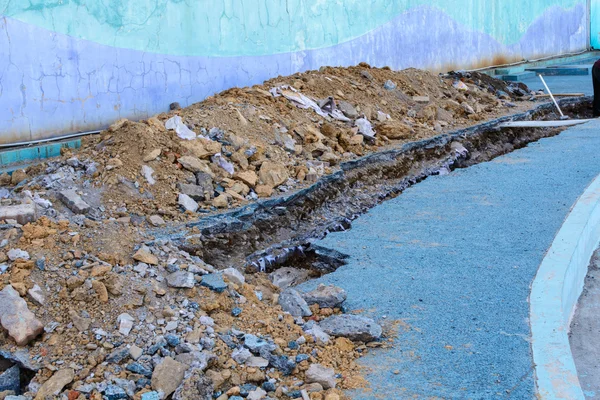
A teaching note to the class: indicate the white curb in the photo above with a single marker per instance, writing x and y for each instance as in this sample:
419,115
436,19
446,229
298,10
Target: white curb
554,295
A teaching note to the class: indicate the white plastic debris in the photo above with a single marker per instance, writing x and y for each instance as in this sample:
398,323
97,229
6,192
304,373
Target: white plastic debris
223,163
460,85
147,171
365,128
328,108
176,123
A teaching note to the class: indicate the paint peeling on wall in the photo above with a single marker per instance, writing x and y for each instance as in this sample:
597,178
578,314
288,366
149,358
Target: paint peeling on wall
69,66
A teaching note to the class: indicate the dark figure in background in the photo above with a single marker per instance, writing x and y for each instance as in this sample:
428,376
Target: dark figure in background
596,79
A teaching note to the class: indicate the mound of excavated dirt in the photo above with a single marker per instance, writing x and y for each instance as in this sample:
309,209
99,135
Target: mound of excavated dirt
276,137
102,315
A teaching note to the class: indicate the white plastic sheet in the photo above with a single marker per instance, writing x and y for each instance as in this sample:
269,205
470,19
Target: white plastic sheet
176,124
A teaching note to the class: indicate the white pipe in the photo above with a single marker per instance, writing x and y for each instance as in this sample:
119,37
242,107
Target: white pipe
551,96
531,61
32,142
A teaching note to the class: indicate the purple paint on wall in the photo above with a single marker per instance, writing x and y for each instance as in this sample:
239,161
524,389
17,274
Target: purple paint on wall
52,84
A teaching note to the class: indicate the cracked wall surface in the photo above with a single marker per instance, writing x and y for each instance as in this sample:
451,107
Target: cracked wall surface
69,66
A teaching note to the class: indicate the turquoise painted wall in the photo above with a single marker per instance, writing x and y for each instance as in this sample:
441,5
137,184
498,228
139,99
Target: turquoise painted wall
74,65
259,27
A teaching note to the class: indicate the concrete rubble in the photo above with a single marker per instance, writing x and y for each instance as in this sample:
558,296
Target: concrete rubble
100,303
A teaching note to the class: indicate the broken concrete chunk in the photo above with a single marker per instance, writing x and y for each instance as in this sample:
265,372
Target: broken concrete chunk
214,282
347,109
234,276
326,296
195,192
292,302
22,213
15,317
15,254
241,355
168,375
53,386
205,182
287,276
187,203
181,279
36,294
353,327
73,201
11,380
324,376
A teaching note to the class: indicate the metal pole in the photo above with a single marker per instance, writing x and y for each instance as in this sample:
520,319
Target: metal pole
562,116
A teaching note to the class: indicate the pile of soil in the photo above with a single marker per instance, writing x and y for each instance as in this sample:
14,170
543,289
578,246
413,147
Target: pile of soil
80,277
273,145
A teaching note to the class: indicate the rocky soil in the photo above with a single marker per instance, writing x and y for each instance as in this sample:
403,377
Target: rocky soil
94,307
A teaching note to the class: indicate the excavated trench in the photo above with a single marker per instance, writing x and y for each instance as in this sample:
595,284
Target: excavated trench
278,232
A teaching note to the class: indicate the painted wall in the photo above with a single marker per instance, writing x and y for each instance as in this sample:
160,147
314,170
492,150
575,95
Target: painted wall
75,65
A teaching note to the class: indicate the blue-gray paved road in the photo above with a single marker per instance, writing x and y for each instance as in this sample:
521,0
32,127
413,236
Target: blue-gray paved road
453,257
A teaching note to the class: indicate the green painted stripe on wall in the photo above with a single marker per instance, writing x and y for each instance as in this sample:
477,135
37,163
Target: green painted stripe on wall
222,28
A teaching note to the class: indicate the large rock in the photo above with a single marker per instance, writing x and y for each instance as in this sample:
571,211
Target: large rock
15,317
214,282
326,296
248,177
353,327
11,380
291,301
205,182
187,203
317,373
73,201
194,191
287,276
143,255
53,386
395,130
348,109
168,375
273,174
22,213
194,164
181,279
